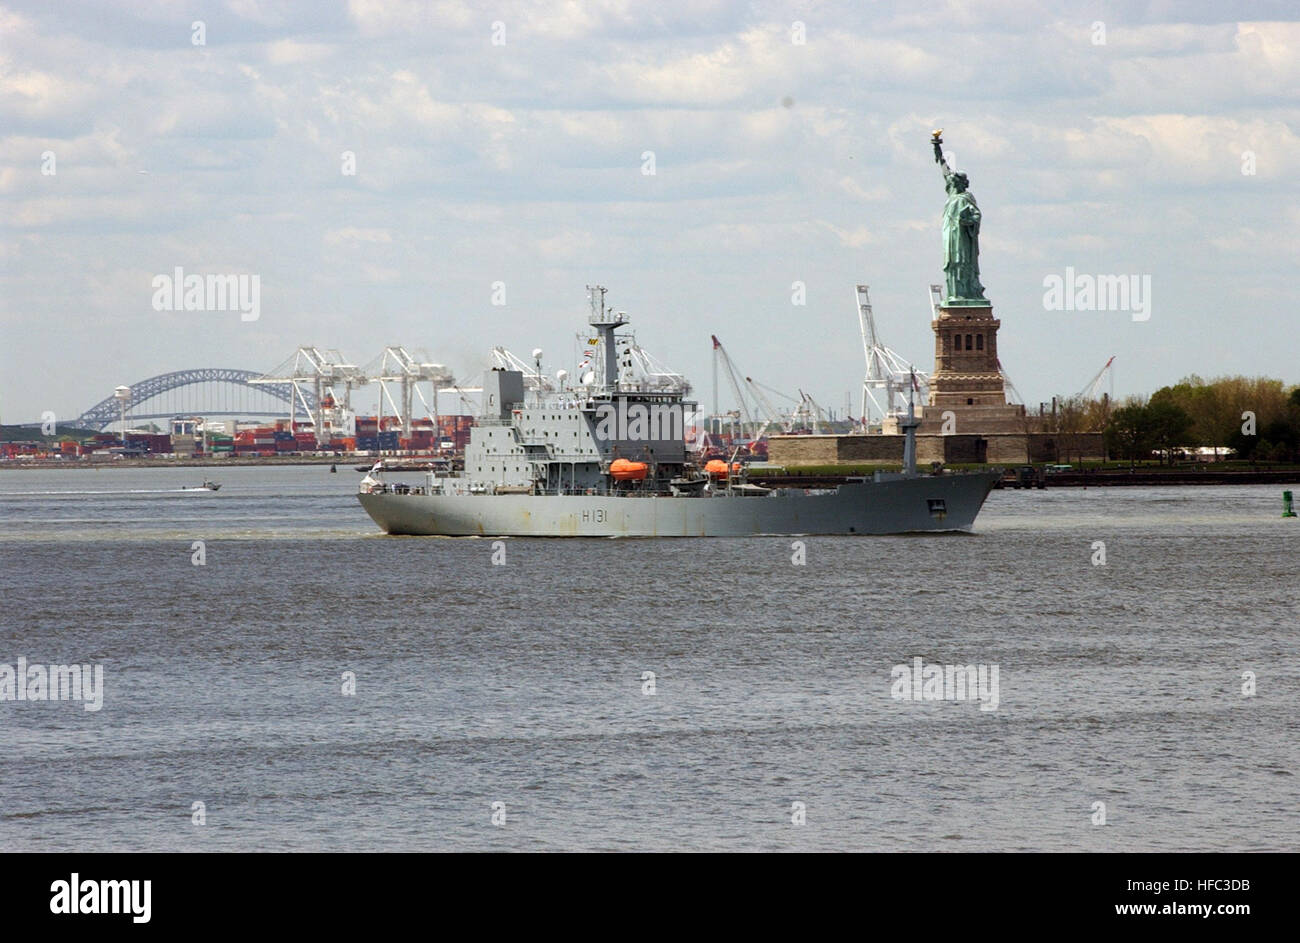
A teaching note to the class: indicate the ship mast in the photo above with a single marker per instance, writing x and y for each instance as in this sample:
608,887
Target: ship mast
909,431
605,321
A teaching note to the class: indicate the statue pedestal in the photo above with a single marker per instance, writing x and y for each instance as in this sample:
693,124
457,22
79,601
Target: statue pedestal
966,379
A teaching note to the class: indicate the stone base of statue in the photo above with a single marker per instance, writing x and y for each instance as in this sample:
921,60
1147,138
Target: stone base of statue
967,382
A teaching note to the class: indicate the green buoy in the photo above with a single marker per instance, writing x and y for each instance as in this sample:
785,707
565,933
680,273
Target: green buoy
1287,510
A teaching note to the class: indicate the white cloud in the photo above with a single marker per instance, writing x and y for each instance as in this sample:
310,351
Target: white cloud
354,236
290,52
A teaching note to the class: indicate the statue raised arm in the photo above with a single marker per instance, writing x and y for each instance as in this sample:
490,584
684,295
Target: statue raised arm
937,139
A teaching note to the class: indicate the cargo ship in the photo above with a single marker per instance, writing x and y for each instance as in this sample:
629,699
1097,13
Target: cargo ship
606,457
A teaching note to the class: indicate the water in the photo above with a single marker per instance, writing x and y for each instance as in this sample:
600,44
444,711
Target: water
522,684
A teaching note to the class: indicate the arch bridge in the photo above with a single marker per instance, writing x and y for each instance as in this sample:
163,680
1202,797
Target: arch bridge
206,391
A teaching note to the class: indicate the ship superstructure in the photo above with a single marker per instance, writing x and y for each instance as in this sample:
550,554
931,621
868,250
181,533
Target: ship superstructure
564,441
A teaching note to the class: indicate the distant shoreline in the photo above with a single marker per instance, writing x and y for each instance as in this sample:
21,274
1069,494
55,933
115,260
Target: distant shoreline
1121,478
820,477
78,465
1087,478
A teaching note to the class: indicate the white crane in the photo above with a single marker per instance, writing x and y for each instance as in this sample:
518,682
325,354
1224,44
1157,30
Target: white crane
1090,391
886,370
654,375
462,392
720,353
1013,394
812,412
534,379
320,372
396,365
771,413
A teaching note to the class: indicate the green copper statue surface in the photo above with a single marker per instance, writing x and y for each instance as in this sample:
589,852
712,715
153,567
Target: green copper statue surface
961,236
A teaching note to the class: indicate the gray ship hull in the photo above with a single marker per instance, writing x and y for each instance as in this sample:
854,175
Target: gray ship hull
886,504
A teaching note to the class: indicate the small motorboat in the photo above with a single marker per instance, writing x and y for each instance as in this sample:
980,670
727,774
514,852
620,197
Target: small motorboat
209,486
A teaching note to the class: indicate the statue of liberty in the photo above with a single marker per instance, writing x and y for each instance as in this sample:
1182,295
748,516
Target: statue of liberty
961,235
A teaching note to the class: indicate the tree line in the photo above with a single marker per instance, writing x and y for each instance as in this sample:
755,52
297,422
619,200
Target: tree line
1256,417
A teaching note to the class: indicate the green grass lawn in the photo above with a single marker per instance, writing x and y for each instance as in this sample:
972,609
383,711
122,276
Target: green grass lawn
1152,466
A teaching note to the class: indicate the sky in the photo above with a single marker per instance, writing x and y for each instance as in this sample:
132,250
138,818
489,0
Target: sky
501,152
